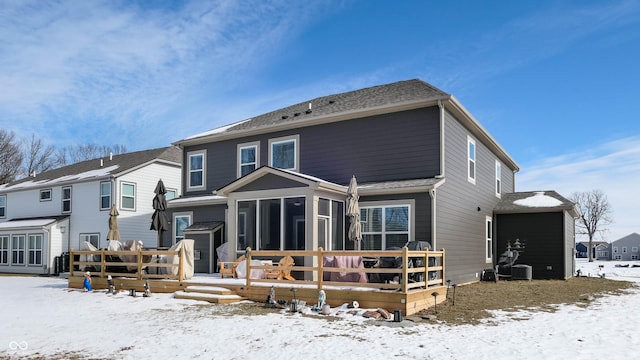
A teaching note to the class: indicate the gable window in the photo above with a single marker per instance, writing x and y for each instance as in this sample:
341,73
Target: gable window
248,155
4,250
385,226
284,153
471,160
196,170
17,249
35,249
66,199
105,195
498,178
489,247
624,249
45,195
634,249
93,239
128,196
615,249
3,206
181,221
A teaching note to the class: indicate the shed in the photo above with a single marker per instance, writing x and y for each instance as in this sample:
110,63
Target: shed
537,229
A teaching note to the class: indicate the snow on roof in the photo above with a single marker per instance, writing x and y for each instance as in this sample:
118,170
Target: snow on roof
80,176
26,223
217,130
539,199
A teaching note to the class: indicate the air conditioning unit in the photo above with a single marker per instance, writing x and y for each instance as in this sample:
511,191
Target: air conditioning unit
521,272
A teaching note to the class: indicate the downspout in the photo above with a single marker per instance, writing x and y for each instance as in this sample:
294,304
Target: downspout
432,195
432,192
442,162
48,264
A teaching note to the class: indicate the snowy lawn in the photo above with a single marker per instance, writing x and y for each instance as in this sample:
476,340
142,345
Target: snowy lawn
42,318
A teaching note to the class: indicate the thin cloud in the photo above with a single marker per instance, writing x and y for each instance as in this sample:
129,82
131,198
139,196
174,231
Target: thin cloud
613,167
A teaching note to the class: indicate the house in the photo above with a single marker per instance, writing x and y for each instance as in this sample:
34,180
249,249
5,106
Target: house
536,229
600,250
44,216
427,170
625,248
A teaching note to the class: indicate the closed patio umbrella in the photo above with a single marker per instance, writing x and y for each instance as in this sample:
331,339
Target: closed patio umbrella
353,212
114,233
159,220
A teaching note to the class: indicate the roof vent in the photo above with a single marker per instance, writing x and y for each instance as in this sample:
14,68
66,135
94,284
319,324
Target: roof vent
110,156
285,117
308,111
296,114
331,101
101,163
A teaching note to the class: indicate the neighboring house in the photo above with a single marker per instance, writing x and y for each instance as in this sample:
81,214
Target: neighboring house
625,248
536,229
427,170
44,216
600,250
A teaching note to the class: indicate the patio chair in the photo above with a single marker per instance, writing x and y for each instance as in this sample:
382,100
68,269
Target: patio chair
228,268
280,270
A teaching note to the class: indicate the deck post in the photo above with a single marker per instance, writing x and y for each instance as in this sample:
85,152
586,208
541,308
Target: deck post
442,264
103,261
71,257
139,264
405,272
247,273
320,262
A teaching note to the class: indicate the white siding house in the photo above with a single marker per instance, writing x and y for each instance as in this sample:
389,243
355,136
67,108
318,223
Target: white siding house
44,216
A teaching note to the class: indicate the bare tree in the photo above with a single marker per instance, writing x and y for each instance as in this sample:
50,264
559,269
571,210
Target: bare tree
37,157
77,153
10,157
595,214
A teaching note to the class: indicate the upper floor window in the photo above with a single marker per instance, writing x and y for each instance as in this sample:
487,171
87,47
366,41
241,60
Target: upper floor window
498,178
196,170
105,195
45,195
66,199
128,197
471,156
171,194
248,155
624,249
615,249
284,153
634,249
3,206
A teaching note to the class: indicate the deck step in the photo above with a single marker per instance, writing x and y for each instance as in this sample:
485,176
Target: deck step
212,294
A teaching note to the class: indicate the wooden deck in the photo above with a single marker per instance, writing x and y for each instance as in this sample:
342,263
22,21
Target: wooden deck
412,293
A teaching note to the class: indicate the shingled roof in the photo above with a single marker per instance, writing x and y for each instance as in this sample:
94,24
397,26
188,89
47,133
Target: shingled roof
400,92
535,201
98,168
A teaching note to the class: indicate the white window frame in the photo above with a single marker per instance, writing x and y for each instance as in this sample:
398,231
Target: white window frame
498,179
174,231
5,249
296,150
489,239
634,249
173,192
87,237
19,250
472,166
383,205
102,195
66,199
634,257
624,249
34,251
615,249
43,192
123,196
256,164
3,206
190,171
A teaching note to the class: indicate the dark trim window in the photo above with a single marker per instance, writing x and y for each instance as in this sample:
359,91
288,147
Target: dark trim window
385,226
196,170
471,160
105,195
35,249
128,196
3,206
4,249
248,158
45,195
66,199
284,153
17,249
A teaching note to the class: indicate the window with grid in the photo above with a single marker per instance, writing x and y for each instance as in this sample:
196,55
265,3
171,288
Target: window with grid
35,249
384,226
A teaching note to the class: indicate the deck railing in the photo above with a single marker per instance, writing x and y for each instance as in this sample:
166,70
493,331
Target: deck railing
416,269
141,264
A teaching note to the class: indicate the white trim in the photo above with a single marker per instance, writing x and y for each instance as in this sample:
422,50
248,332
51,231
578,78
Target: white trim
191,154
122,196
498,180
296,150
102,195
3,205
45,191
240,147
63,199
410,203
488,239
174,223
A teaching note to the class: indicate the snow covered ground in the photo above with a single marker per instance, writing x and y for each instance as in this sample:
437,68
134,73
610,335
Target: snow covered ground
41,316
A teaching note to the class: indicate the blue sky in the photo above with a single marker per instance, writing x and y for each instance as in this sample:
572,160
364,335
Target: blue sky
555,82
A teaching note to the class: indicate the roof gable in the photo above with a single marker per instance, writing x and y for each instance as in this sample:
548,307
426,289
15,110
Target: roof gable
535,201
